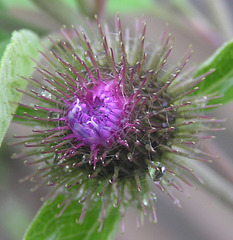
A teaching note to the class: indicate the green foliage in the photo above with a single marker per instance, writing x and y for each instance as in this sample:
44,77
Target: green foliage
220,82
29,3
47,225
129,5
2,6
4,39
4,35
16,61
21,3
3,45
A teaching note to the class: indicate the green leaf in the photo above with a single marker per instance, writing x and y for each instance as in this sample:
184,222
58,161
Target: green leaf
16,61
220,82
47,225
114,6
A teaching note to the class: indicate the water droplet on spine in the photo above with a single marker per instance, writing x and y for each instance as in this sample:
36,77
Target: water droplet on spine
130,157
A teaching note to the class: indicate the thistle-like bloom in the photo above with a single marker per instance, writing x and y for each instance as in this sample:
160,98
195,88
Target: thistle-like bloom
111,117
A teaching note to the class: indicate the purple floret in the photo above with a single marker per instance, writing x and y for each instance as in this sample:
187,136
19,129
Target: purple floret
95,118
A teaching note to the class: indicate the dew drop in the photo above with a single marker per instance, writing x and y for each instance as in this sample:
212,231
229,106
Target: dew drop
117,155
130,157
145,201
46,94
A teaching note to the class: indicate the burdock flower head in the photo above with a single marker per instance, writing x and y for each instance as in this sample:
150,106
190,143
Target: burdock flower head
110,117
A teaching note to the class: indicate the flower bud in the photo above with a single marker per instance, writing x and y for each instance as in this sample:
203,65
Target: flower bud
110,117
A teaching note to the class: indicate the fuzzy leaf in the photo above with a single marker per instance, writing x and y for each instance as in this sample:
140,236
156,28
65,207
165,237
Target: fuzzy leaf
47,225
16,61
220,82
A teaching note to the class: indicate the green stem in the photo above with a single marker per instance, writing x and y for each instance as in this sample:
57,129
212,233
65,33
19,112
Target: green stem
200,27
60,11
222,16
92,7
11,23
223,163
199,21
214,183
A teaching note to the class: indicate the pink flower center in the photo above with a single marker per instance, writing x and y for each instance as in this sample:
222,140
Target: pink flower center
96,117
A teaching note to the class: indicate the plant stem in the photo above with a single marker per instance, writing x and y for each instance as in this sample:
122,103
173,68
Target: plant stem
222,17
214,183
